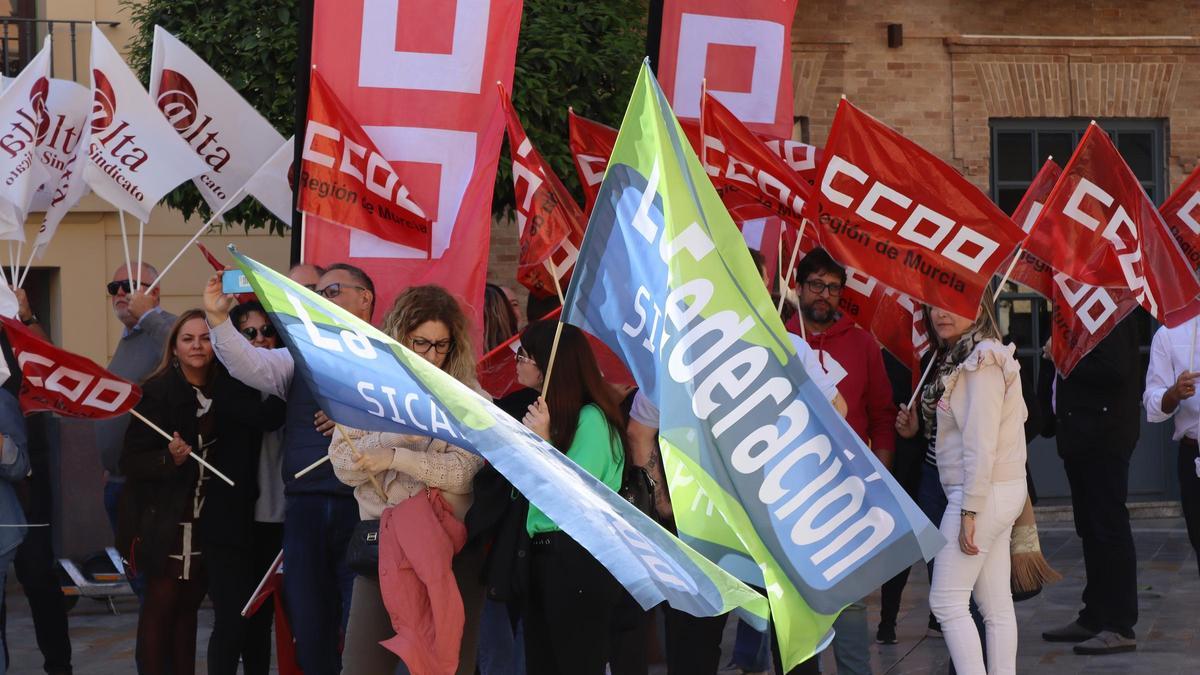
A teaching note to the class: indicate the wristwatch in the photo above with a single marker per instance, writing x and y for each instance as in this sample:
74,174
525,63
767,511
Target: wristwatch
967,514
31,320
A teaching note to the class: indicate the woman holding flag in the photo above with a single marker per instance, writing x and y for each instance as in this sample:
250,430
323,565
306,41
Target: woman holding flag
571,595
973,413
186,531
391,472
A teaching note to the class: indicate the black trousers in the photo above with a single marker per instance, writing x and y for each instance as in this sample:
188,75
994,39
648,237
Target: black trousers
569,613
1099,487
233,574
693,642
1189,492
37,572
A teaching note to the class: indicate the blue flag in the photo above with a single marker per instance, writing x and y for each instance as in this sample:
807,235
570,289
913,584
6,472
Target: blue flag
765,477
366,380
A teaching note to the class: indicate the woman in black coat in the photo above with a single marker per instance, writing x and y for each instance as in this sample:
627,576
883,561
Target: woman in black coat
187,531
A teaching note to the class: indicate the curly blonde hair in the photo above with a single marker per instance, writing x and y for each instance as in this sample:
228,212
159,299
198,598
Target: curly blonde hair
419,304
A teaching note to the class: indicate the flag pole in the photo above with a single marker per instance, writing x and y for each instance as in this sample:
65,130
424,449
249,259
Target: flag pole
17,270
920,383
357,456
125,245
141,234
266,577
311,467
200,232
193,455
1007,273
28,264
791,270
557,334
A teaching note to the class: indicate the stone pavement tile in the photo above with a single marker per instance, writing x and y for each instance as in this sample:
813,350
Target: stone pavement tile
1168,627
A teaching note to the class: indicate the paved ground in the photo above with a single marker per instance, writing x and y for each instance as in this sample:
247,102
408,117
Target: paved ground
1168,629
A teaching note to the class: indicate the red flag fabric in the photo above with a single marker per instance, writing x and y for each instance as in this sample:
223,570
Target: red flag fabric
345,179
497,370
899,326
1100,228
1031,270
1181,212
737,161
591,146
58,381
743,51
285,645
900,214
421,77
1083,315
548,219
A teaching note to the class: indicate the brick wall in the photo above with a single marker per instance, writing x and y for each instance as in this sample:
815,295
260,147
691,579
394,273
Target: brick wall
946,81
962,63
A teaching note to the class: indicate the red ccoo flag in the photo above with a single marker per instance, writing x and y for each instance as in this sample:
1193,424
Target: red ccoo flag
591,146
58,381
737,161
898,213
1100,228
1031,270
1083,316
344,178
1181,212
548,219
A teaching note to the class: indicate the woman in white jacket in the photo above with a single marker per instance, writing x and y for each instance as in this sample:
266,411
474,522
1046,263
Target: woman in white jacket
972,411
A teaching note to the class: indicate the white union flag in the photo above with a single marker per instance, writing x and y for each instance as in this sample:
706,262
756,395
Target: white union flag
209,114
135,157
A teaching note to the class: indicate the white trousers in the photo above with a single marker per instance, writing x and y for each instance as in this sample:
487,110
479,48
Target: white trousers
956,575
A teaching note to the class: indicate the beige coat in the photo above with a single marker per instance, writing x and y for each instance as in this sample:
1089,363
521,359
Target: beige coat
981,424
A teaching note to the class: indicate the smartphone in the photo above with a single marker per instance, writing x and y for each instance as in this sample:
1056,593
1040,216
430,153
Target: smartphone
233,282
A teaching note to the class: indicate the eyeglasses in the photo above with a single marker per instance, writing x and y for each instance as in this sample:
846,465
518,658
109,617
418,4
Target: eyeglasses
422,346
311,287
251,332
115,287
333,290
522,358
817,287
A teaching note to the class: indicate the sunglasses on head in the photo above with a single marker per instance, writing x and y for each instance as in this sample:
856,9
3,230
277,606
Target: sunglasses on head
251,333
115,287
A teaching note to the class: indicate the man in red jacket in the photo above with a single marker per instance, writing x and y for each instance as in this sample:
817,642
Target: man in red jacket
853,358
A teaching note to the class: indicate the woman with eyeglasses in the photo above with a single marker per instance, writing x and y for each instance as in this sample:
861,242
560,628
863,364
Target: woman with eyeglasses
186,531
571,595
429,321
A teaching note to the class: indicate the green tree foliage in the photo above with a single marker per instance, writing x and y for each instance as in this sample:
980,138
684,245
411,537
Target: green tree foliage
571,53
584,55
252,44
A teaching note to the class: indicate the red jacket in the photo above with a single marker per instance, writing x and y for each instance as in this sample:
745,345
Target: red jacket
417,541
866,388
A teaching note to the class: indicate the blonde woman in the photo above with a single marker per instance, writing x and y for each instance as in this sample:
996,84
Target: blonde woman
429,321
973,413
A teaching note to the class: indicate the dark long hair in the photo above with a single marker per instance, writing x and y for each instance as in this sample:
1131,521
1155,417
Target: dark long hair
575,382
499,319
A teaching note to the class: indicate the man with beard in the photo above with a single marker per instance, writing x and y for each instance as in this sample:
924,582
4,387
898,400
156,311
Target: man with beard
852,357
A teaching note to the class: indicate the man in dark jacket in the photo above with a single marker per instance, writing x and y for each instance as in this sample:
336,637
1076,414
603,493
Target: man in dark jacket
320,510
1096,419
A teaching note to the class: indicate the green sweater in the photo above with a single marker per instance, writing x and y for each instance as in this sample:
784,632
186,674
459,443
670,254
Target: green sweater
593,449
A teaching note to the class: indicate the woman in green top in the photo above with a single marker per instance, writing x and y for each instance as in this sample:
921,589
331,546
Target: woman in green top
571,595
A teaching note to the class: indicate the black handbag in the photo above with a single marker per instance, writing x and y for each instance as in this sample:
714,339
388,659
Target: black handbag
362,556
637,487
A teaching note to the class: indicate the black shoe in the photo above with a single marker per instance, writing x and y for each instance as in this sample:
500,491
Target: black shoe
886,635
1072,632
